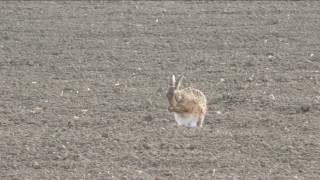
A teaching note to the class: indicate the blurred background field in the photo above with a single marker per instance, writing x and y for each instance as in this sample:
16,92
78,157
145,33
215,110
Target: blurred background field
83,89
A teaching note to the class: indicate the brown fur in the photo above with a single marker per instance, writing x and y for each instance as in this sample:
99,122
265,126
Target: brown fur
186,101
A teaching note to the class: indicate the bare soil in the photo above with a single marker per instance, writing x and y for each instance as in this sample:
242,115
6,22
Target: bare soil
83,89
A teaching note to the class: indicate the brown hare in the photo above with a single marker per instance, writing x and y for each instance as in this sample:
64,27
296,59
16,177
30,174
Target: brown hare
189,105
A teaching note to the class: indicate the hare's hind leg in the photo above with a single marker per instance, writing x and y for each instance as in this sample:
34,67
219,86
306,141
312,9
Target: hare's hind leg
200,121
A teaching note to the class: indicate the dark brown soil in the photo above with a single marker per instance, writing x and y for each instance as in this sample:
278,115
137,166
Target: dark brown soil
83,89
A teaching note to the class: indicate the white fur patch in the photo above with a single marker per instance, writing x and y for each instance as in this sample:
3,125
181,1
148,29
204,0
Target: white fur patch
188,120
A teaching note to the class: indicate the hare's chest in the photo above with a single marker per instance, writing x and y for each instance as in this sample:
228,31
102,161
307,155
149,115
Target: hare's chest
187,120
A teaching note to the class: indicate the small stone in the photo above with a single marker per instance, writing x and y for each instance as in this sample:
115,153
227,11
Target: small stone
69,124
36,165
305,108
105,135
270,55
146,146
148,118
160,90
191,147
167,173
37,110
272,96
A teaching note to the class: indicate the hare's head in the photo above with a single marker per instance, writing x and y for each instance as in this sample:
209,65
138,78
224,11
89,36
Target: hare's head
174,86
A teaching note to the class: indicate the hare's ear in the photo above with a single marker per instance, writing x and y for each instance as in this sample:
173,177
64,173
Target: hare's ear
178,83
173,80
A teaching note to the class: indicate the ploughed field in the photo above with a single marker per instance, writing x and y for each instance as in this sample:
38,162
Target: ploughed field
83,86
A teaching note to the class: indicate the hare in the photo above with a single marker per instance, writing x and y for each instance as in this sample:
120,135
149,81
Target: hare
189,105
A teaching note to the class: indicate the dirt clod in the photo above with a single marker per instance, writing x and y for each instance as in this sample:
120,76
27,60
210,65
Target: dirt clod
148,118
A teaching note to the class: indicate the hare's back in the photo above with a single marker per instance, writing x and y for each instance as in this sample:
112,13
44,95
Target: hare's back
199,96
